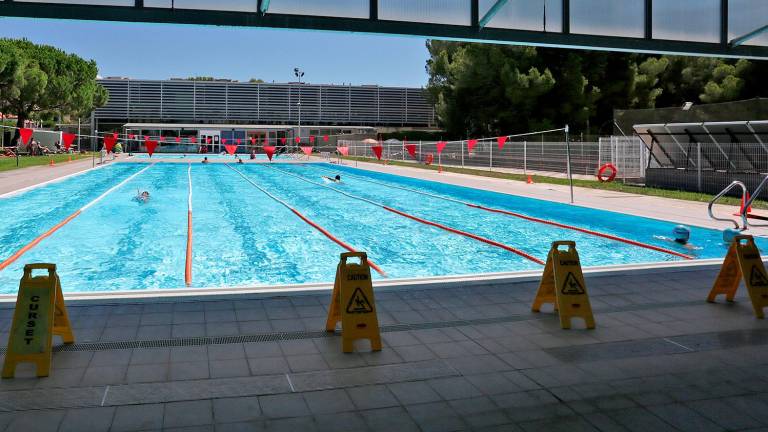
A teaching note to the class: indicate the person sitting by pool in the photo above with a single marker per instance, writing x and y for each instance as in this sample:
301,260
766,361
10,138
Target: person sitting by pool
336,179
682,234
142,197
205,159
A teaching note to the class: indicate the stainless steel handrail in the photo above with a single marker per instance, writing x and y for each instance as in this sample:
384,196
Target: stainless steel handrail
745,208
743,213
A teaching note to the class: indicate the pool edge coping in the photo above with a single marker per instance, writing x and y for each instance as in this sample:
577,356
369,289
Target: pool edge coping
393,285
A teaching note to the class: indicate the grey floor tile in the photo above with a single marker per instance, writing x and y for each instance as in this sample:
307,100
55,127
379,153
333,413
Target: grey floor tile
389,419
684,418
454,388
371,397
138,417
188,413
35,421
328,401
283,405
234,410
414,392
229,368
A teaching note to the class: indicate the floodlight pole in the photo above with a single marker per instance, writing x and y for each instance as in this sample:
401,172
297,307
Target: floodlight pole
568,157
299,74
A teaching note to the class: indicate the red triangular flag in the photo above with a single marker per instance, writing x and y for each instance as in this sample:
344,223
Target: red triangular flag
231,148
115,135
471,145
223,140
253,141
238,141
283,140
193,140
307,150
343,150
311,139
377,150
151,146
67,139
440,146
178,139
25,135
297,139
109,142
131,136
325,138
270,151
501,141
411,150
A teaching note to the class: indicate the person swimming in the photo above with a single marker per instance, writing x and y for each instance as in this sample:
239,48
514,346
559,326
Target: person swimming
205,159
336,179
142,197
682,234
239,161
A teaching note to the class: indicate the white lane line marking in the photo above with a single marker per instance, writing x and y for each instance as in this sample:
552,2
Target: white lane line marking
103,399
290,383
680,345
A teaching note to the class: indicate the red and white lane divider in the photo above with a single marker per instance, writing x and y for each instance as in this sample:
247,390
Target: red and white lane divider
29,246
188,267
423,221
307,220
534,219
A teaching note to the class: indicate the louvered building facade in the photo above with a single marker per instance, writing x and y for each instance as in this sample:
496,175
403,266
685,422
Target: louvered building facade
183,101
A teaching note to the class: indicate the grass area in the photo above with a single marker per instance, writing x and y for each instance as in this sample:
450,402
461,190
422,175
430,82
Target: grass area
613,186
8,164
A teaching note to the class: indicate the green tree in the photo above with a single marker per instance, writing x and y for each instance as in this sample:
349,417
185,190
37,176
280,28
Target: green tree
40,80
255,81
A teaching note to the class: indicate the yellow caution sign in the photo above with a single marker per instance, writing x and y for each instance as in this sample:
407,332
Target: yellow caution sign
353,304
743,260
563,285
40,314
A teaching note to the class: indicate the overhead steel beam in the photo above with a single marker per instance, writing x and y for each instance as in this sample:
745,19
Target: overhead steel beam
492,12
367,25
749,36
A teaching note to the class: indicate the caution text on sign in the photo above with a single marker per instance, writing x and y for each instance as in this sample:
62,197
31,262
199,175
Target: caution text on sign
353,303
563,285
40,314
743,261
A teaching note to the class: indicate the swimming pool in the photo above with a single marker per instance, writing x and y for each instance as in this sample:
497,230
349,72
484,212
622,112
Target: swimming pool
198,156
251,226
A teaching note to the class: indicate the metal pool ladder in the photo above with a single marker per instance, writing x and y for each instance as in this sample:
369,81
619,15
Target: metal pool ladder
747,204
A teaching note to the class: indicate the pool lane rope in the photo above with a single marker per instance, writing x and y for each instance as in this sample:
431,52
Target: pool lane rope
307,220
18,254
421,220
533,219
188,267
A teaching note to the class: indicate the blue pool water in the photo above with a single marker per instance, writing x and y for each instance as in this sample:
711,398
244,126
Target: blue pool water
197,156
243,237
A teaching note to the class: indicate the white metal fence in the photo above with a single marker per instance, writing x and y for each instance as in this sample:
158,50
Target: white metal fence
629,155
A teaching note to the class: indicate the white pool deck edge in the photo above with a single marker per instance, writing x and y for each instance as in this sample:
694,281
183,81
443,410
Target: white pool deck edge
404,284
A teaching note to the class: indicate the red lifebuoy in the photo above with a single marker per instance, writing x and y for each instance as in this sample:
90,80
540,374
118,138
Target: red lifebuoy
602,170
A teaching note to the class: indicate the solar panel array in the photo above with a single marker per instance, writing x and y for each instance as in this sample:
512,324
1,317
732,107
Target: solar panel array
179,101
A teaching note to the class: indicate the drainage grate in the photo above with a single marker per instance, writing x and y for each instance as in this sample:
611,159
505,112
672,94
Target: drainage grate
300,335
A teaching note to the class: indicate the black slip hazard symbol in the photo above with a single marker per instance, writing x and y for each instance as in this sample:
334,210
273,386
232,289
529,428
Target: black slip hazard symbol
757,278
572,285
359,303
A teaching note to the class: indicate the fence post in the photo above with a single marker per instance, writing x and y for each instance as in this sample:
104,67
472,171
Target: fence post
568,157
698,164
462,154
525,157
490,158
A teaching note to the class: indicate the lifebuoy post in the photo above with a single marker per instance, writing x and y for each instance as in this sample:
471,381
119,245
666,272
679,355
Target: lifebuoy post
40,314
743,261
563,285
353,304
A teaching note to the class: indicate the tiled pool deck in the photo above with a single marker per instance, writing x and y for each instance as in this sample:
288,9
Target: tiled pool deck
661,358
465,358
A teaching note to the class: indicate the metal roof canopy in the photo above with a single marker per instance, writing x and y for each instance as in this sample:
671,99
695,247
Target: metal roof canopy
261,14
234,126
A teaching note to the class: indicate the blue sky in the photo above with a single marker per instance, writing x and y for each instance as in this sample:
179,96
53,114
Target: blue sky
155,51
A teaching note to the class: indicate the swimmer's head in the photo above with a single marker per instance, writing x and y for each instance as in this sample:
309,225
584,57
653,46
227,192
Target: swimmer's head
338,177
681,234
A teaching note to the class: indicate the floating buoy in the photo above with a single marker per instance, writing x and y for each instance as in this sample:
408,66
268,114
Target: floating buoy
729,234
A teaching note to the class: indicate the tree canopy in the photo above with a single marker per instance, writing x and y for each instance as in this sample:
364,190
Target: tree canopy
40,80
486,90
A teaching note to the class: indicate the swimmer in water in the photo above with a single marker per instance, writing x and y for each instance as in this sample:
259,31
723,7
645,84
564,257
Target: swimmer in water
142,197
336,179
239,160
682,234
205,159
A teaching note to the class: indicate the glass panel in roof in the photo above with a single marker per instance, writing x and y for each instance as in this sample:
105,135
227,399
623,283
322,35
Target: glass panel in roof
745,16
332,8
526,15
625,18
456,12
687,20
